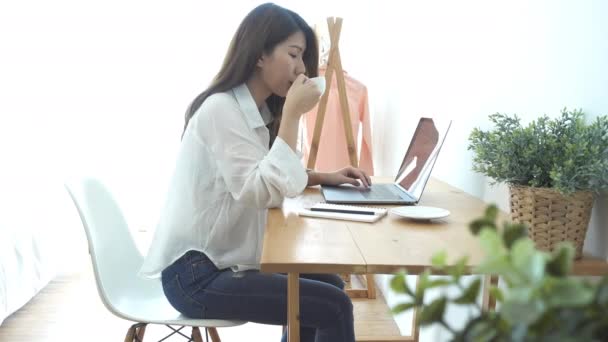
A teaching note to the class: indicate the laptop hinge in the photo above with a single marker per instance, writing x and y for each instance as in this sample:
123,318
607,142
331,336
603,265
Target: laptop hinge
404,191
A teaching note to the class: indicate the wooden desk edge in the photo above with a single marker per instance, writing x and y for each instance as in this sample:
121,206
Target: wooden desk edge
312,268
587,266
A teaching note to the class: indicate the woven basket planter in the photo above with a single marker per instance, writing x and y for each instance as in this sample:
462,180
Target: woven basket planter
552,217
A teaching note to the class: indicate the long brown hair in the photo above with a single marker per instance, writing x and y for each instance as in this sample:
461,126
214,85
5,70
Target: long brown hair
259,33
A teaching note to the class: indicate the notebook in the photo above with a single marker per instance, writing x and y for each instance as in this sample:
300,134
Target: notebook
344,212
412,175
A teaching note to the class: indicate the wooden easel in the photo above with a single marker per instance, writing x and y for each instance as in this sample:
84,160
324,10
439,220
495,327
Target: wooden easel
334,64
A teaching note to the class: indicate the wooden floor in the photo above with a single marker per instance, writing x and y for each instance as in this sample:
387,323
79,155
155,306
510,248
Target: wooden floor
68,309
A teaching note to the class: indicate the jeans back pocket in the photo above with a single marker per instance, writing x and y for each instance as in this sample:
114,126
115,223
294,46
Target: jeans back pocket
202,270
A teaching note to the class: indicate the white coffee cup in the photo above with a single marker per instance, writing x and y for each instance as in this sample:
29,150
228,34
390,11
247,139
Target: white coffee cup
320,83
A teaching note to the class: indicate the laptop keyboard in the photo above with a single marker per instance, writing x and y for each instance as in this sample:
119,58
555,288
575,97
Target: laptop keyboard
381,192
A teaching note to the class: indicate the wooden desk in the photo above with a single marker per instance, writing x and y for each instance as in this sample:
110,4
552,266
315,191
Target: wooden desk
295,245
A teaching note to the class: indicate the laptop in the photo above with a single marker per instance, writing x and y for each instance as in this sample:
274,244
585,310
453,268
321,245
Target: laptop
412,176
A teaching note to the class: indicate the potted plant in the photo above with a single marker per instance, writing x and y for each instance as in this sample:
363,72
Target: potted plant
539,302
553,168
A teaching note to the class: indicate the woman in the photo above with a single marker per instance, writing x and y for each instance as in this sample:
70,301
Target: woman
238,159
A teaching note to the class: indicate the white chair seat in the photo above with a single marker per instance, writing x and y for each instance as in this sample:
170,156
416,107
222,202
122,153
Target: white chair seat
116,262
157,310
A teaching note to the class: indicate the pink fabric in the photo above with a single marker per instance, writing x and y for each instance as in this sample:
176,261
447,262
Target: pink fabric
333,153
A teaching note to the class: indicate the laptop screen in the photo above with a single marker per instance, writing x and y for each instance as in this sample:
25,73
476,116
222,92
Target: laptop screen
421,155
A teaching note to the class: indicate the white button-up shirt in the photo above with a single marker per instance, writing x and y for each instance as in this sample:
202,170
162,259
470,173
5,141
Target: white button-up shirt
225,180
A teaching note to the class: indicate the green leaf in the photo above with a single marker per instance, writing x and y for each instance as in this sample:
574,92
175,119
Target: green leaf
496,265
521,311
438,283
601,295
399,308
470,294
433,312
399,284
491,243
501,266
496,293
560,263
529,261
567,292
477,225
459,268
480,329
439,259
513,232
519,294
423,282
491,213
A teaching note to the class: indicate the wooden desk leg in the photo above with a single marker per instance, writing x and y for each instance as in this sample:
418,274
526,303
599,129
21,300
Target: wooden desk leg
488,302
415,331
371,286
345,277
293,307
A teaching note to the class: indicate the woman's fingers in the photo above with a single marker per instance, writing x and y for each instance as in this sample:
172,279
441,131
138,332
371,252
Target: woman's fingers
360,175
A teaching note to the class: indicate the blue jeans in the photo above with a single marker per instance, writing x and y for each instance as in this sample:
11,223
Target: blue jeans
198,289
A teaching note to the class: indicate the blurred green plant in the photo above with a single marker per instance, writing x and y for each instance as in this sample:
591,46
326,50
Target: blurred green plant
562,153
539,302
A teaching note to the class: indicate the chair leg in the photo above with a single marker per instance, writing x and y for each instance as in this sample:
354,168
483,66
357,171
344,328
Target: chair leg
141,330
215,337
130,333
196,335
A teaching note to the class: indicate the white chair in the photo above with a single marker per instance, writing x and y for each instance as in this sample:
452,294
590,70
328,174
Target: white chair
116,261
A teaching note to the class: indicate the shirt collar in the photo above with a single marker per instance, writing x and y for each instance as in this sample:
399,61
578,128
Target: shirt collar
253,116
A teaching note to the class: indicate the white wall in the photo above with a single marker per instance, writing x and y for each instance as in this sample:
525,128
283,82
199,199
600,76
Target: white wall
468,59
465,60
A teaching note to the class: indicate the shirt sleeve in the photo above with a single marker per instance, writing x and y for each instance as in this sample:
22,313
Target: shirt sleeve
253,174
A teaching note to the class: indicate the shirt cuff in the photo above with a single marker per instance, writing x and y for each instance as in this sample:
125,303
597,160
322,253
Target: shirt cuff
288,162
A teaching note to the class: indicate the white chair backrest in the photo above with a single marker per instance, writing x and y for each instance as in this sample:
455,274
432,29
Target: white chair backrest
114,255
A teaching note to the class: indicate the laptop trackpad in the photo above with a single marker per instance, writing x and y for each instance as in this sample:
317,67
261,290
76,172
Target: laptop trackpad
375,193
343,192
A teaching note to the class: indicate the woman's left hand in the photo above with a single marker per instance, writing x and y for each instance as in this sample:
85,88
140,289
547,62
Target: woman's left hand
347,175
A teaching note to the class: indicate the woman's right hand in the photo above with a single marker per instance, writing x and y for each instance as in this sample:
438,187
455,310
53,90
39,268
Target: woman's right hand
302,96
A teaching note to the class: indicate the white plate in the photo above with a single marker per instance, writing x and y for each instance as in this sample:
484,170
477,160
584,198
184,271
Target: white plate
420,213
